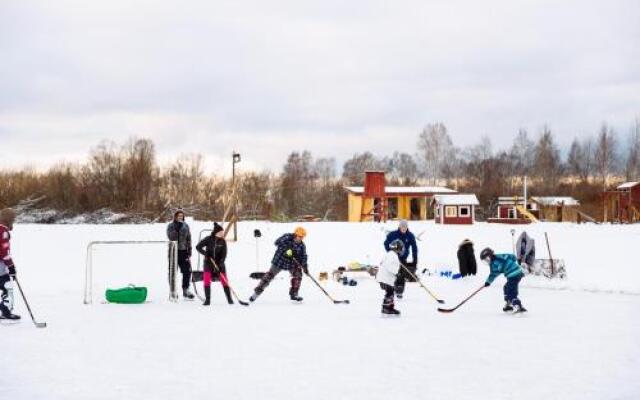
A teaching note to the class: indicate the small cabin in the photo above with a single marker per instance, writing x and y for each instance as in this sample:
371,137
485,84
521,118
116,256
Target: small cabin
555,208
456,209
623,203
396,202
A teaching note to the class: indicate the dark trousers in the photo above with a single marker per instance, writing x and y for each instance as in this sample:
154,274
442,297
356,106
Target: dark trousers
185,267
403,276
296,279
387,301
511,289
6,295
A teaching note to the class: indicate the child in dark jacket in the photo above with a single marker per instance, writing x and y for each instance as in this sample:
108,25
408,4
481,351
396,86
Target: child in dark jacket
214,249
508,265
290,255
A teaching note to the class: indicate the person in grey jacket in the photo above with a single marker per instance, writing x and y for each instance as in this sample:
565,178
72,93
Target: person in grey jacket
526,251
178,231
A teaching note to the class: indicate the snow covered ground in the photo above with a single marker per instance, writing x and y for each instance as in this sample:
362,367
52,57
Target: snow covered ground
579,340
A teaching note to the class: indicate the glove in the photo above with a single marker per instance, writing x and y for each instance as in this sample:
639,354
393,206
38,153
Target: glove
487,284
12,271
289,253
305,268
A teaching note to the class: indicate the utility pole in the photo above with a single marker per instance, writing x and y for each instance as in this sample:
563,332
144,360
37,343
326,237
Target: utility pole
235,159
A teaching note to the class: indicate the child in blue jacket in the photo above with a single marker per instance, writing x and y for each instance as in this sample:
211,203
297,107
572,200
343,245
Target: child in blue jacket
508,265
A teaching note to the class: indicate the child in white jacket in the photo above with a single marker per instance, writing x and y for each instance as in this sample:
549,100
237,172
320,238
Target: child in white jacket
387,273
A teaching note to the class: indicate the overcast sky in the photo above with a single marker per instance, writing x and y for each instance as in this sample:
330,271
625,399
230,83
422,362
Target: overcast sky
335,77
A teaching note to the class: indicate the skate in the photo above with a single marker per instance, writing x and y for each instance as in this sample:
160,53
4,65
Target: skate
507,307
296,298
399,296
187,294
253,297
9,317
391,311
519,309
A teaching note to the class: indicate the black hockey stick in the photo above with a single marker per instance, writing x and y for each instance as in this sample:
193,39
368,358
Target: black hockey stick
225,280
421,284
37,324
450,310
321,288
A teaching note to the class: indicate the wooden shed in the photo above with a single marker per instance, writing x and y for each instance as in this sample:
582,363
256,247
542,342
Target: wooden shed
455,208
399,202
623,204
555,208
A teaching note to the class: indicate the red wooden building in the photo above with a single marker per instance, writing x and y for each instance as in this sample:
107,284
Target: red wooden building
623,204
455,208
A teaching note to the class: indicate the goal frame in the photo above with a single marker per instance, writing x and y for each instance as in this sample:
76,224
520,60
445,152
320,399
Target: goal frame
172,264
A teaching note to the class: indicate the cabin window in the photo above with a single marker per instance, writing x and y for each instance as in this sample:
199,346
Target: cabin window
451,211
464,211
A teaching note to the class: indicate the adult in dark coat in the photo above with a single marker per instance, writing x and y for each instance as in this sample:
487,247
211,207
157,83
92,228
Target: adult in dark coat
214,247
467,258
178,231
290,255
410,247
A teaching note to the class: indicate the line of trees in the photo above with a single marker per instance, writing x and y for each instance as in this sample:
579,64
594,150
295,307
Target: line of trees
126,178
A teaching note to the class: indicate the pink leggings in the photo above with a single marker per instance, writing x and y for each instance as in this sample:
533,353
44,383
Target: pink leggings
207,279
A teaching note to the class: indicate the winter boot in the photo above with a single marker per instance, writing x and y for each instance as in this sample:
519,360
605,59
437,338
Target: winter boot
390,310
186,293
507,307
6,314
295,297
227,292
207,296
399,296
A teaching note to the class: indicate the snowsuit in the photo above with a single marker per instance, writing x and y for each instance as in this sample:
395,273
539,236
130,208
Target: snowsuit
6,263
506,264
467,258
409,241
526,251
295,263
179,232
216,248
387,274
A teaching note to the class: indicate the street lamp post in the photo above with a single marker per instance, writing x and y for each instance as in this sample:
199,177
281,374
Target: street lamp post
235,159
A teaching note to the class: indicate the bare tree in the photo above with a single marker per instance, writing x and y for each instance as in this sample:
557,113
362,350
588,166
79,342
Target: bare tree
353,169
522,153
632,167
605,154
547,165
404,169
434,145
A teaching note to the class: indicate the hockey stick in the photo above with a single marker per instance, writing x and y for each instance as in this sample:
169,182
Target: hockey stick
550,256
450,310
37,324
225,281
421,284
321,288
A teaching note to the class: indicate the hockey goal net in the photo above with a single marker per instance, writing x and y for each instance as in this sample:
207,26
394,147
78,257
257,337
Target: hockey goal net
117,263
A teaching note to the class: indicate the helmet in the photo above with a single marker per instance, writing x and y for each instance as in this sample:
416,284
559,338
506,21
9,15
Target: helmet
397,246
300,232
486,253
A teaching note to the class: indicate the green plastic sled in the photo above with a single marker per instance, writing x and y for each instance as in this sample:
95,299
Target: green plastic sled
128,295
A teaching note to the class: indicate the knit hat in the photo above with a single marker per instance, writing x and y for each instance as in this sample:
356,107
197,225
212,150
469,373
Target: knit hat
300,232
217,228
403,224
7,217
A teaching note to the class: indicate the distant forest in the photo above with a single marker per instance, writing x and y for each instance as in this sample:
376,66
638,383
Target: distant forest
127,179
